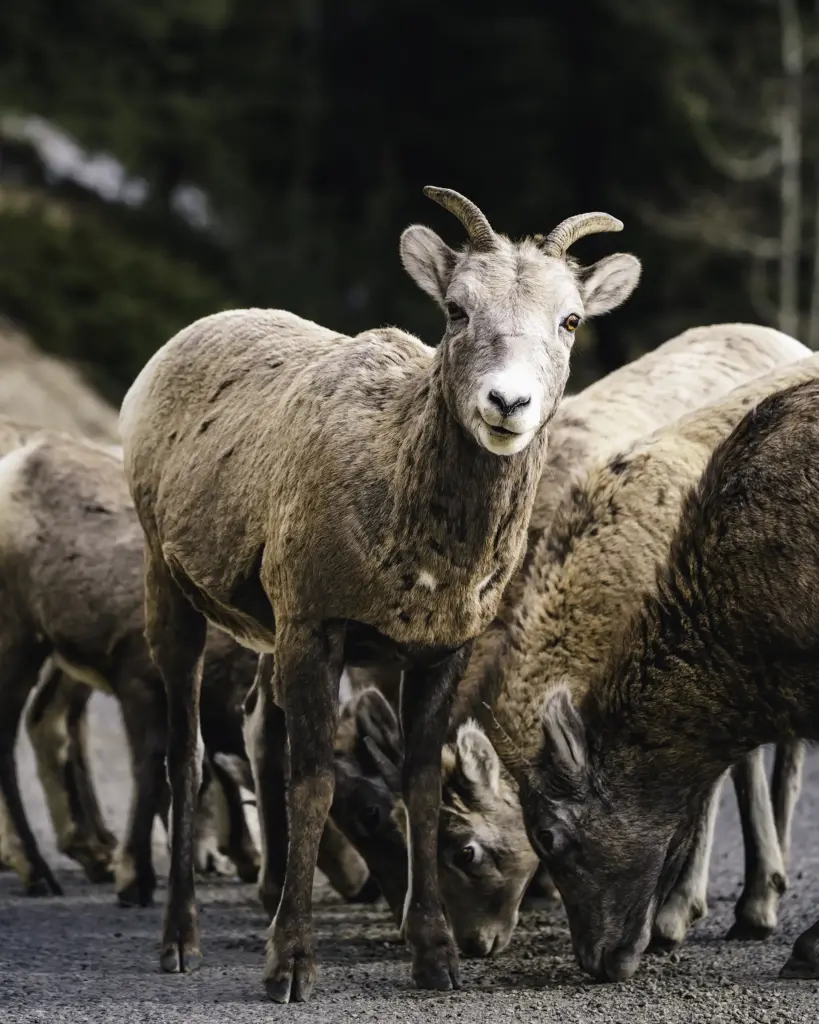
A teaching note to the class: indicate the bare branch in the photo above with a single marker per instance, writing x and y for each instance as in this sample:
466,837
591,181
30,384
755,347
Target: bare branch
790,144
758,290
712,229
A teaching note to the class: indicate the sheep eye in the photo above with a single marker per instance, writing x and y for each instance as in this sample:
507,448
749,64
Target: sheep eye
454,312
465,856
571,323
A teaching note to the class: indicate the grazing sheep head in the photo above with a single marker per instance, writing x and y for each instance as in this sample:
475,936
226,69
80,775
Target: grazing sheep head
613,841
512,310
485,860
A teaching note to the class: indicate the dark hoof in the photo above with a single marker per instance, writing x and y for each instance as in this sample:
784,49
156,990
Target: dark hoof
368,893
799,969
176,961
99,874
662,944
247,871
38,887
437,969
744,931
136,895
290,979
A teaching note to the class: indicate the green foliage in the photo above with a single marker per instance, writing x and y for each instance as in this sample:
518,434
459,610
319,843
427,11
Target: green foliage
89,293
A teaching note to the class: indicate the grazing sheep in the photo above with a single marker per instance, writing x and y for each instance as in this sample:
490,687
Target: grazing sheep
718,658
552,618
337,500
71,583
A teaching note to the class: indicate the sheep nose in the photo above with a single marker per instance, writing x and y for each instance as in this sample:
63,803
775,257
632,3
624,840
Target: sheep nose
508,405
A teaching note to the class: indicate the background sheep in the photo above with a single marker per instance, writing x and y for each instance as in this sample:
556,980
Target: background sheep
485,858
719,657
71,558
333,499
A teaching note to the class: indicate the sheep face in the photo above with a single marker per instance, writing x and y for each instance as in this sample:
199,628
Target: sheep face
512,311
485,860
613,848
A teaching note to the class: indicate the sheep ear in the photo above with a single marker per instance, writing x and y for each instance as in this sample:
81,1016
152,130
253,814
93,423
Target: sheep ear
564,737
608,283
477,761
428,260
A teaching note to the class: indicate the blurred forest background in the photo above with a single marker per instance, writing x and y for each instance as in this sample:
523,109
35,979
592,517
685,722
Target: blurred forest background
162,159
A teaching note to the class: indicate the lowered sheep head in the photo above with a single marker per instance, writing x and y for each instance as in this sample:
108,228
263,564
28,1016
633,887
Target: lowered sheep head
614,844
485,860
512,310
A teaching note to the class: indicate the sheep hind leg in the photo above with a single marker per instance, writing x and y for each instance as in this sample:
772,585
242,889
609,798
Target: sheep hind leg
688,901
265,732
19,665
176,635
308,670
344,867
785,789
55,723
426,701
765,880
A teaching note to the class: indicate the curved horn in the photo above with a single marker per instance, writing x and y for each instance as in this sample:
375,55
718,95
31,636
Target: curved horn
508,751
568,231
477,226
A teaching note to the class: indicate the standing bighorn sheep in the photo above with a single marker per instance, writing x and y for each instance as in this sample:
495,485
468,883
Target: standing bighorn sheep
718,658
331,499
485,858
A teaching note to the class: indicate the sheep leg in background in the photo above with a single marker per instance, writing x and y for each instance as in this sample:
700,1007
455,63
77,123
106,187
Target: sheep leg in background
765,880
266,740
309,662
145,720
688,900
176,634
785,787
426,700
19,665
234,840
56,725
80,763
344,866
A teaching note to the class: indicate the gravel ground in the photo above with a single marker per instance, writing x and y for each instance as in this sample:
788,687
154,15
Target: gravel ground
81,958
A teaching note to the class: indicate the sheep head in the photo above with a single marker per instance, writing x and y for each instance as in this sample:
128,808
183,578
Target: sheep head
512,311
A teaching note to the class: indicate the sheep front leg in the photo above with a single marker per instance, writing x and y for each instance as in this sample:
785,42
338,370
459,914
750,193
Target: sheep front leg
176,634
426,700
308,670
688,900
756,909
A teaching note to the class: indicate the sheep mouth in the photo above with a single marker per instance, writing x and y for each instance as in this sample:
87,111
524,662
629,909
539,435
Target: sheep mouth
502,431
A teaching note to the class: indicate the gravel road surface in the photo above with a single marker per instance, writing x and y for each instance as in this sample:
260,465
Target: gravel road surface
83,959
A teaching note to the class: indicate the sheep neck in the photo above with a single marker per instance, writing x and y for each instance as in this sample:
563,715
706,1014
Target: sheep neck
688,693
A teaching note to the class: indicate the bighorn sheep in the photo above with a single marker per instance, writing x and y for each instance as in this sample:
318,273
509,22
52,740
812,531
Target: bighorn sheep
569,612
331,499
718,658
71,567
